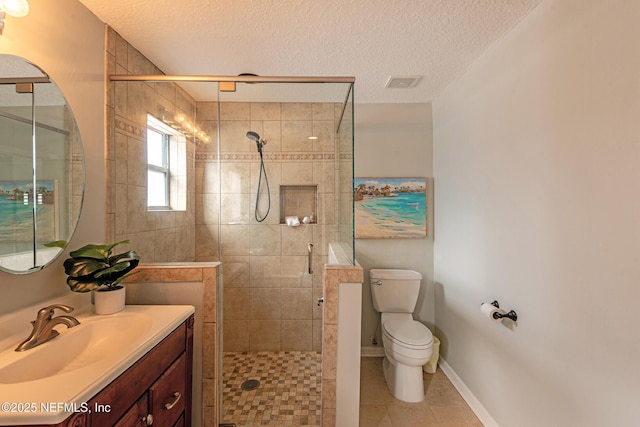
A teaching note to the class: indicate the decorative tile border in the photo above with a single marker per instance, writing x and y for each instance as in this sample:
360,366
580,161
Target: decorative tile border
133,130
252,157
127,127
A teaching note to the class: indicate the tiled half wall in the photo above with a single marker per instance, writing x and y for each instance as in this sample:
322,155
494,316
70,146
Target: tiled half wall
193,284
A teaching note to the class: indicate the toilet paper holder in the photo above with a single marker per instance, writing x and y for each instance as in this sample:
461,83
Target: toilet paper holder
511,315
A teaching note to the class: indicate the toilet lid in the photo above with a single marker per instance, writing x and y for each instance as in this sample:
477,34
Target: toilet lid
408,331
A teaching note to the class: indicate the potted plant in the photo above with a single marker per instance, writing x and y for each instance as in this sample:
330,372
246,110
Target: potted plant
95,268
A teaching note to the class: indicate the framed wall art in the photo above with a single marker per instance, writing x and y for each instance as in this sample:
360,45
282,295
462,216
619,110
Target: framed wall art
390,208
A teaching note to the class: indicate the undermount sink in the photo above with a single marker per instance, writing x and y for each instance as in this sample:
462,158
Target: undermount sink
95,339
77,364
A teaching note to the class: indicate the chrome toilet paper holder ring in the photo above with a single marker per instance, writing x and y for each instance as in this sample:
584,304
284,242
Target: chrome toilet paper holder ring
510,315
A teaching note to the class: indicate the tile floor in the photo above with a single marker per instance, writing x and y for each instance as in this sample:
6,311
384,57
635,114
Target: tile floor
442,407
288,394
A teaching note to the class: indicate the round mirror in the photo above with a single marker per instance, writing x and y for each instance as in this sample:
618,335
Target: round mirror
41,168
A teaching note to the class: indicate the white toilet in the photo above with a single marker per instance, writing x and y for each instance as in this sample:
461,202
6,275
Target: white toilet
408,344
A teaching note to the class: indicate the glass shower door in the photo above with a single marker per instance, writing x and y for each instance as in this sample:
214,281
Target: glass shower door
278,212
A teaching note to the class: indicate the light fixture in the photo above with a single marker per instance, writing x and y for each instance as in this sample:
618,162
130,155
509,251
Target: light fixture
186,127
15,8
181,123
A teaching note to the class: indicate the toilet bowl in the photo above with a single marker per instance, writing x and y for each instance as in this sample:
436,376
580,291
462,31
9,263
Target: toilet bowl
408,344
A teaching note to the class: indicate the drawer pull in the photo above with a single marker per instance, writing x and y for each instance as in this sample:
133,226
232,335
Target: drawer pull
148,420
177,395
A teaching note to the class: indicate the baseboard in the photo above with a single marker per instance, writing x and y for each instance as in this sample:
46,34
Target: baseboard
372,351
481,412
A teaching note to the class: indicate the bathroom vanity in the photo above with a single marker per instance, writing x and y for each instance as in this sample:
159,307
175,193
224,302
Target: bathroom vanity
132,368
156,389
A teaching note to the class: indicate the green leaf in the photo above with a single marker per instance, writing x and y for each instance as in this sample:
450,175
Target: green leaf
120,279
56,244
113,269
91,251
96,251
124,257
82,285
113,245
92,266
83,266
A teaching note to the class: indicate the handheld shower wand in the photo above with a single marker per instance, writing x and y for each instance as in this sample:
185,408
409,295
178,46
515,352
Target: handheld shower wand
260,143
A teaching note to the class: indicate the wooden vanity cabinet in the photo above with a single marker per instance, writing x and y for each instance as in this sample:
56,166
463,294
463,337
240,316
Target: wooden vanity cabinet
155,391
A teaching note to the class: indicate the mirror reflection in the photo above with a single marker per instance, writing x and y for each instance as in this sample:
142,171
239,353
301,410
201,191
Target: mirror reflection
41,167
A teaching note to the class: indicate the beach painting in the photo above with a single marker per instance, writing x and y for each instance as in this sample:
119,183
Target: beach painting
16,211
390,208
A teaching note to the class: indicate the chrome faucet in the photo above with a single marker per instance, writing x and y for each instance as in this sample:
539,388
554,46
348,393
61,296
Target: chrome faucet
43,326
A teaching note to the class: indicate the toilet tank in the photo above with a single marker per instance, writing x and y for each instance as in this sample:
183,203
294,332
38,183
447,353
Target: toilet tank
394,291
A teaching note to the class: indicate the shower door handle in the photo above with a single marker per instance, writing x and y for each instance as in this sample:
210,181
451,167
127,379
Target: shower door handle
310,251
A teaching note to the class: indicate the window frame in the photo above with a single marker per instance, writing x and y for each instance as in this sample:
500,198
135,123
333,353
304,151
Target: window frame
174,165
164,169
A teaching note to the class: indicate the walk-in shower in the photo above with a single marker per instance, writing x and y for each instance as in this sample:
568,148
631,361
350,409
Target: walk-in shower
269,326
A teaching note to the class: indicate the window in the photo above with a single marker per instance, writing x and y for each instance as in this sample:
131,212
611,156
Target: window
157,169
166,167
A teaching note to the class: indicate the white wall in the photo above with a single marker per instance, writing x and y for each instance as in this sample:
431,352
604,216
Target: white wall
536,154
67,41
395,140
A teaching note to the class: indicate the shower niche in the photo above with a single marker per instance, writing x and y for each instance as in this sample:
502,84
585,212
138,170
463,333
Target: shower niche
299,201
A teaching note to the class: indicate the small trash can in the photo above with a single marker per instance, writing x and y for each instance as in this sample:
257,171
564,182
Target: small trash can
431,366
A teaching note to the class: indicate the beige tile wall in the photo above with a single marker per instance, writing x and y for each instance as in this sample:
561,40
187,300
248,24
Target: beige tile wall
270,298
165,236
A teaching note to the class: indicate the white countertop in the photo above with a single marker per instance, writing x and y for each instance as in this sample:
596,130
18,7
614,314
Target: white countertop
52,397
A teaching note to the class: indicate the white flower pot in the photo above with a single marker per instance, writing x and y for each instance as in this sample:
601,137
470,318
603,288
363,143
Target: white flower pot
109,302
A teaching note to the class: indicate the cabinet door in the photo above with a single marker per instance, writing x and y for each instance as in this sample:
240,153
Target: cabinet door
136,416
180,422
135,381
168,395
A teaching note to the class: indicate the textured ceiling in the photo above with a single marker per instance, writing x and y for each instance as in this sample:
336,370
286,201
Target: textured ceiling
369,39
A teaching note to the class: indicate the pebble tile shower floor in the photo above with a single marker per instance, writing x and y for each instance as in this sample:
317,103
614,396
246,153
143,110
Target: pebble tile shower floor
288,394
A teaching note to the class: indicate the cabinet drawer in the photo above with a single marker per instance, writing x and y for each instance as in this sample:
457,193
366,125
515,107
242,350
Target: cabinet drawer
168,394
136,416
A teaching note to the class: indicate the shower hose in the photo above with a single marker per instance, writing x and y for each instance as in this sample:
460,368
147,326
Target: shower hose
263,172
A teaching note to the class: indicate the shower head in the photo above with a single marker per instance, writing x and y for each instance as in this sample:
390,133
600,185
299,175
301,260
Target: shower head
256,138
253,136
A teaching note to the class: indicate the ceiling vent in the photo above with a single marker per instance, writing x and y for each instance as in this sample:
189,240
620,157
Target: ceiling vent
402,82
